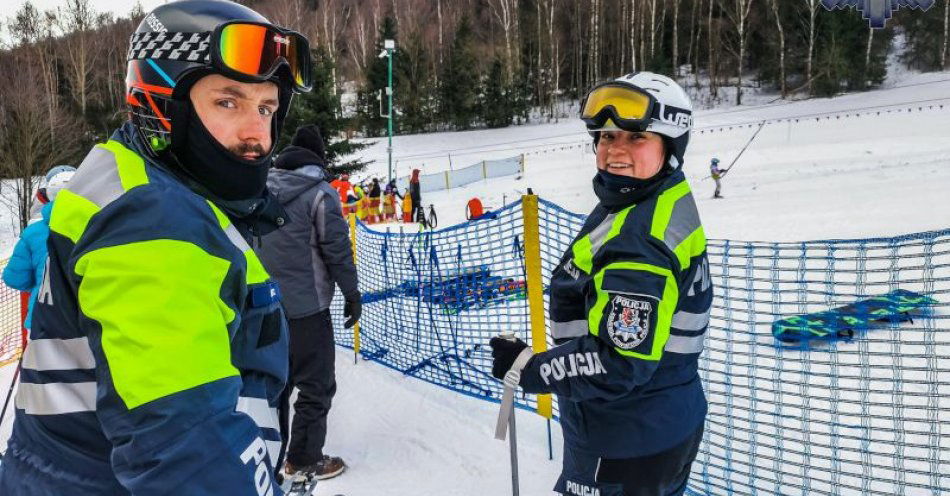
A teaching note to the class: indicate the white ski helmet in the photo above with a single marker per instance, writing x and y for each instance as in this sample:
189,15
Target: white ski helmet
642,101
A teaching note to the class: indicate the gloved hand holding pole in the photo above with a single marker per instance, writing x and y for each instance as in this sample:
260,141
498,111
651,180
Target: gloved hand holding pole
510,355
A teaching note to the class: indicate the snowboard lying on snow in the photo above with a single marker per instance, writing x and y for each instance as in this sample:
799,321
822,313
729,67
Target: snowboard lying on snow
843,323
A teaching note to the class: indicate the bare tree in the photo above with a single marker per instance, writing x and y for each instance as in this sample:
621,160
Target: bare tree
711,67
812,6
946,32
694,33
505,13
33,31
633,36
359,41
739,15
438,10
676,16
27,148
78,22
781,46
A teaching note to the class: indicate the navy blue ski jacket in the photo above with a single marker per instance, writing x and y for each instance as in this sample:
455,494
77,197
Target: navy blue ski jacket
630,302
159,348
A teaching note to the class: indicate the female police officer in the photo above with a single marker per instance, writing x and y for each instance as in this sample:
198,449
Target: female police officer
630,302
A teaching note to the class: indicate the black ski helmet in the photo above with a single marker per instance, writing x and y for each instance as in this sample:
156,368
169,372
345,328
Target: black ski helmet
169,52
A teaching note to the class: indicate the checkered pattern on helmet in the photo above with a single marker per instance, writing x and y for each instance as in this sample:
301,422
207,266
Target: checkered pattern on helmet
164,45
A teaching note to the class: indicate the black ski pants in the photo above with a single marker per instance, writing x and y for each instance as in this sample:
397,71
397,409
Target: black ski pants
661,474
312,368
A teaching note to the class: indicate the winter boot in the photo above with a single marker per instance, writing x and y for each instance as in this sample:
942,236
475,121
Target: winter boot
326,468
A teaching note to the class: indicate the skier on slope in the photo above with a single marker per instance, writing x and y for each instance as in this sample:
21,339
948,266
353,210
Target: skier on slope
630,301
716,174
159,346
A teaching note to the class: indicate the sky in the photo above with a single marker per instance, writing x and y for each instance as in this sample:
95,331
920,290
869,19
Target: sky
118,8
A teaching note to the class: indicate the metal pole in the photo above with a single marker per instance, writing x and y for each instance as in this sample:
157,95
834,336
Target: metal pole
513,445
389,92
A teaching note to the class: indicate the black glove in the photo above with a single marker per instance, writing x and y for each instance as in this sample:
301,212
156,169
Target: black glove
352,308
504,353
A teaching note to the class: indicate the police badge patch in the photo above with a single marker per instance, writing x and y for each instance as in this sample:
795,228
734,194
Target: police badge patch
628,323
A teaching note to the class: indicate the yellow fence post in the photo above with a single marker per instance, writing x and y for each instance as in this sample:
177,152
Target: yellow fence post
356,328
535,283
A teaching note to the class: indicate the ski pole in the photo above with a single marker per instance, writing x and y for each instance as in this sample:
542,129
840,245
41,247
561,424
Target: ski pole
506,413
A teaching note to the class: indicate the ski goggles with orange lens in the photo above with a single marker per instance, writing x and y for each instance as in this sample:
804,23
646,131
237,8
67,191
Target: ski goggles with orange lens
258,50
629,107
245,51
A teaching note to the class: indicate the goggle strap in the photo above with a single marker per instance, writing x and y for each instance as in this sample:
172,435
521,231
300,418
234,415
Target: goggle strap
167,45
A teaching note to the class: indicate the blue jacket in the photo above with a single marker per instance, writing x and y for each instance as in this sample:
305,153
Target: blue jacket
630,302
159,348
25,269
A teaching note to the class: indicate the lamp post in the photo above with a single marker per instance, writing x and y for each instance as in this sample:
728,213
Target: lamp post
389,46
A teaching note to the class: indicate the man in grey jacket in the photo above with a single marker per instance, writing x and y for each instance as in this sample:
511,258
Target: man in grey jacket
308,256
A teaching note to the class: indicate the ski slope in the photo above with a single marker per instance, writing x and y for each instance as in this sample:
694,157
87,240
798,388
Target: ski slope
841,176
854,176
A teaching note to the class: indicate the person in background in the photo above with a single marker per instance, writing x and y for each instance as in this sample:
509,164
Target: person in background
389,201
716,174
362,203
27,265
343,186
375,192
415,191
407,207
309,256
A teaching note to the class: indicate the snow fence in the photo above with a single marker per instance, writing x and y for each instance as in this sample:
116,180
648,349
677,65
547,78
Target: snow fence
868,416
486,169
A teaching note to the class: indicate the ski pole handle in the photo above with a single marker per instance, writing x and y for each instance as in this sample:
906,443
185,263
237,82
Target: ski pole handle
511,380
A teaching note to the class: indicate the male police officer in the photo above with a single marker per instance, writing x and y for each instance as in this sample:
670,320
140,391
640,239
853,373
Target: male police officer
159,347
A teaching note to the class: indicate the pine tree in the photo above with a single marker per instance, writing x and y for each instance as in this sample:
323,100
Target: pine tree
415,100
460,79
496,107
321,106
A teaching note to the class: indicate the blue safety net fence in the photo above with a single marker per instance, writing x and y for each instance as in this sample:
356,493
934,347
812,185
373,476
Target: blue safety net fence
860,412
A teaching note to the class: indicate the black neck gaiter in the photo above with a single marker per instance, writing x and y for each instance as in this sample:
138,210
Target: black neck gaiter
620,191
217,169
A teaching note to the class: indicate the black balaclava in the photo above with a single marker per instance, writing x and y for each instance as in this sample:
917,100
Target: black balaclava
213,166
208,162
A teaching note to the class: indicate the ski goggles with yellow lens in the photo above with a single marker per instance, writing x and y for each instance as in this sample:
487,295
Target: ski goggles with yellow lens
242,50
629,107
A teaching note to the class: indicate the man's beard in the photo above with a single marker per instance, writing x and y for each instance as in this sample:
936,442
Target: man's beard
242,148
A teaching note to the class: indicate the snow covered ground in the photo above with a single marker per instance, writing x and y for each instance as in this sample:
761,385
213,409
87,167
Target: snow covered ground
839,177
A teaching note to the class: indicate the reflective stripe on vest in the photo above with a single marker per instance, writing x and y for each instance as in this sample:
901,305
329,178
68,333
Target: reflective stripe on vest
56,398
587,247
572,329
264,416
685,344
255,269
108,172
676,223
58,354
